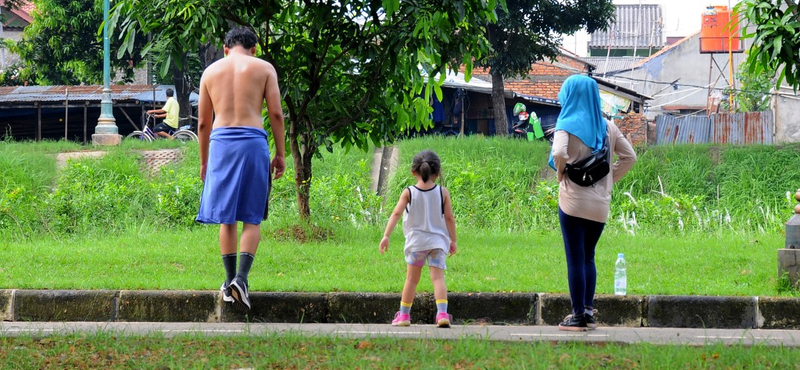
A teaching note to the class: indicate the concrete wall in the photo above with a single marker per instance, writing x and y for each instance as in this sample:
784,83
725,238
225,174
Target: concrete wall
697,77
786,105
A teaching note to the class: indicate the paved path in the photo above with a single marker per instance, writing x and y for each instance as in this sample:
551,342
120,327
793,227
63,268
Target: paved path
790,338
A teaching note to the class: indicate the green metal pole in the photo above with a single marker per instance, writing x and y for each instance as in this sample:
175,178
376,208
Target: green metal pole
106,132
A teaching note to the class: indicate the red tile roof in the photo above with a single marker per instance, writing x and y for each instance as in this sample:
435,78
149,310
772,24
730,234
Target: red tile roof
23,11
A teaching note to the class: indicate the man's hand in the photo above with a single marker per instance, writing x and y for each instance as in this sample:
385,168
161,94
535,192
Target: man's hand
278,166
453,247
203,172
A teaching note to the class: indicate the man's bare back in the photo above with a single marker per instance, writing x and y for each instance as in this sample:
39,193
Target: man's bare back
232,93
237,87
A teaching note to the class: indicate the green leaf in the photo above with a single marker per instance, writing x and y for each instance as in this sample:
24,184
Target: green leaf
391,6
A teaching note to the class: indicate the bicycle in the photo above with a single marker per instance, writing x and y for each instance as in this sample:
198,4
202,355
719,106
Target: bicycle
183,133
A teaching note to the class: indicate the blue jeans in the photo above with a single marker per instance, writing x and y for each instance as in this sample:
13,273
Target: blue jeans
580,239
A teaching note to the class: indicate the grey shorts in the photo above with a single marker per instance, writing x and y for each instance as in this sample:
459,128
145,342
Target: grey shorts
435,257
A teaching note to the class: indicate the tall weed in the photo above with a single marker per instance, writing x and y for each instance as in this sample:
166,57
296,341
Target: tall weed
497,184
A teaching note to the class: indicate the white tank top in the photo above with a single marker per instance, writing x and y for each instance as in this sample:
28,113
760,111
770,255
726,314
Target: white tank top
423,221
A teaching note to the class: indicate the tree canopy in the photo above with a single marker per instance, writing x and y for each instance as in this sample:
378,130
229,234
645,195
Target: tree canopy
351,72
774,26
528,31
62,45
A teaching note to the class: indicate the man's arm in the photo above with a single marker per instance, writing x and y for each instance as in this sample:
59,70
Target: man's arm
205,117
272,95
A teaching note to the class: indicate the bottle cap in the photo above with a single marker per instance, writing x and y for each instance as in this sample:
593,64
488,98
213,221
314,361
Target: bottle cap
620,255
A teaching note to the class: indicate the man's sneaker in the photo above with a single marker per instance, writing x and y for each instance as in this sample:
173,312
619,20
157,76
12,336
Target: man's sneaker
590,321
573,323
241,299
401,319
226,293
443,319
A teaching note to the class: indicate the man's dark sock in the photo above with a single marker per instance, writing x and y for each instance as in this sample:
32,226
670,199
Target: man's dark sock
245,262
229,261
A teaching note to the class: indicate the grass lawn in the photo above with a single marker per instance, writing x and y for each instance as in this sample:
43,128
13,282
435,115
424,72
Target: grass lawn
290,351
142,258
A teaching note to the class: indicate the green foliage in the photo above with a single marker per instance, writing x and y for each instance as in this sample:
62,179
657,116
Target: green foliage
528,31
495,183
340,86
62,45
753,93
774,27
90,196
784,285
342,189
88,192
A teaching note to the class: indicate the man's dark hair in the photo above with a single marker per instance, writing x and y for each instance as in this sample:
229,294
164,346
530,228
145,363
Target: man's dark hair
241,36
170,93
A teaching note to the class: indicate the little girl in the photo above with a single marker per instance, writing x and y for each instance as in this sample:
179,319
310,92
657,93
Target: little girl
430,231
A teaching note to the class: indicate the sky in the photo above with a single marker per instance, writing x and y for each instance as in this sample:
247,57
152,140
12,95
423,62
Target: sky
681,18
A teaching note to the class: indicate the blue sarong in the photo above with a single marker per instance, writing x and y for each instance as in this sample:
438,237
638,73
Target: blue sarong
237,177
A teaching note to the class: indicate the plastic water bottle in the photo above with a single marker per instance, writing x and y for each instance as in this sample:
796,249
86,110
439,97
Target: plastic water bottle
620,276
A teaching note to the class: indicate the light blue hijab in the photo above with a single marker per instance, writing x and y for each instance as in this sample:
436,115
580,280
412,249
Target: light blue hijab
581,114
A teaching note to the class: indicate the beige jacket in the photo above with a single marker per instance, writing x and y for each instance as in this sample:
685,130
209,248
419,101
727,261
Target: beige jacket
590,202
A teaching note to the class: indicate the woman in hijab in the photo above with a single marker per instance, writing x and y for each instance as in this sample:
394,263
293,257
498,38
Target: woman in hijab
583,210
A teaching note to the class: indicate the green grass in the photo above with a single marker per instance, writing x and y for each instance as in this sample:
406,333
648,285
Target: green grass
681,220
144,258
292,351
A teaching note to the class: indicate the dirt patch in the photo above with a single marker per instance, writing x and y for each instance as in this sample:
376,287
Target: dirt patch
152,160
547,173
715,155
303,234
62,158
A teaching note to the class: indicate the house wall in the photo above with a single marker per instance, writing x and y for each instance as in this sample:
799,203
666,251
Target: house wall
8,58
634,127
697,78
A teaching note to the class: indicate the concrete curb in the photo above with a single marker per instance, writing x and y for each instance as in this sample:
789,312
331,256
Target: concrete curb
338,307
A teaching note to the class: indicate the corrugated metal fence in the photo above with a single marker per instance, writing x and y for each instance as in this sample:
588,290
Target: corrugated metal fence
720,128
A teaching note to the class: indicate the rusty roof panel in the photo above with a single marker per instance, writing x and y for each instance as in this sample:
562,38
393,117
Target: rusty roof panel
743,128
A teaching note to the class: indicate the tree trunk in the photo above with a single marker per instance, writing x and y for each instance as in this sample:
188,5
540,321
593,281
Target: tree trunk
499,103
303,151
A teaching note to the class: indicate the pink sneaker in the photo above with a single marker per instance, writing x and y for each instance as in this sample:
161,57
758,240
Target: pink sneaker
401,319
443,319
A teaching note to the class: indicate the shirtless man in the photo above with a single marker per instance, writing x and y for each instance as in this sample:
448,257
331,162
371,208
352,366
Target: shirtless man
234,153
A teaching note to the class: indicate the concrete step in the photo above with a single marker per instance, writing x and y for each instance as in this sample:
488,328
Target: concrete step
342,307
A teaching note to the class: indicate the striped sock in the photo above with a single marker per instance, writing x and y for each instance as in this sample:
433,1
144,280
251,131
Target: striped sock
405,308
441,305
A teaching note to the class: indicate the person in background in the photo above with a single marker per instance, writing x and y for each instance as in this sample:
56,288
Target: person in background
170,113
583,210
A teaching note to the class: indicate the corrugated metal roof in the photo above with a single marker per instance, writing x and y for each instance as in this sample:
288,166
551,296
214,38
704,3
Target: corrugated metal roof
29,94
612,64
636,26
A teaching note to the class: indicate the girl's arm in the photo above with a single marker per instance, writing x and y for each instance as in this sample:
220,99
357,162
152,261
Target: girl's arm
449,220
393,219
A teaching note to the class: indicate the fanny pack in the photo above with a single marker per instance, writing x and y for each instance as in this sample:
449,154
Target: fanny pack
588,171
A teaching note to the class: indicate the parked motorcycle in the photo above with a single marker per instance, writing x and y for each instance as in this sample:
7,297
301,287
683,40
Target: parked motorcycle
529,126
